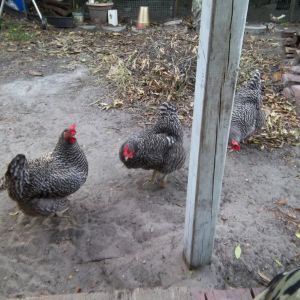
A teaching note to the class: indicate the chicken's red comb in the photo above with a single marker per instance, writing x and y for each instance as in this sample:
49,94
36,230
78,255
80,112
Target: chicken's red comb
72,126
235,146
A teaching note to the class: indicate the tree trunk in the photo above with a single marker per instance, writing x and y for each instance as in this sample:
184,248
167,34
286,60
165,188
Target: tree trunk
196,11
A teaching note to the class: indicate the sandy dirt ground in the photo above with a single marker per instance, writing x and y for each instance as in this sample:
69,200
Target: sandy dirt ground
119,234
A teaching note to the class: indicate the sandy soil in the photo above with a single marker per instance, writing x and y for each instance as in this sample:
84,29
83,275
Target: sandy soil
119,234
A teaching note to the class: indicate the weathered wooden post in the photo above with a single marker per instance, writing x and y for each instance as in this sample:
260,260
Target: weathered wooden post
221,36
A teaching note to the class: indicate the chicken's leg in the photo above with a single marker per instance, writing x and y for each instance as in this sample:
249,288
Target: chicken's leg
45,206
163,182
151,181
154,175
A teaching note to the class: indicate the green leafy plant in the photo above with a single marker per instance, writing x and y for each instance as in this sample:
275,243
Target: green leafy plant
14,31
77,9
76,6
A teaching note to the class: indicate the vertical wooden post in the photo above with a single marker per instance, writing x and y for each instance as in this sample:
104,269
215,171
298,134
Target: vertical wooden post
221,36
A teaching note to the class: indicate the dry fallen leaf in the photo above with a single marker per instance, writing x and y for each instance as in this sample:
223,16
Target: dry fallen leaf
14,213
276,76
281,201
117,103
105,106
12,49
265,278
291,215
278,262
238,251
35,73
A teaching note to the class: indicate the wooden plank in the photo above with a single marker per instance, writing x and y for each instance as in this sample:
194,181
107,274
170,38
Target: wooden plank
236,294
221,36
257,291
79,296
174,293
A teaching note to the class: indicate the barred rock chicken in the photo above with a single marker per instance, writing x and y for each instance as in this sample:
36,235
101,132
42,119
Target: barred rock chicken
247,115
159,148
284,286
39,186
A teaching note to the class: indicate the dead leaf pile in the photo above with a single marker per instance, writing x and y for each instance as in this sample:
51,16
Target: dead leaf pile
143,69
282,123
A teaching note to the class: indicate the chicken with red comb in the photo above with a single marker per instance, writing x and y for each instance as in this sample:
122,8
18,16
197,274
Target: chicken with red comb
247,114
159,148
40,186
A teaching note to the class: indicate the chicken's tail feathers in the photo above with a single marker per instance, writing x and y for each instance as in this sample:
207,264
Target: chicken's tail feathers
16,165
167,109
17,175
17,171
255,82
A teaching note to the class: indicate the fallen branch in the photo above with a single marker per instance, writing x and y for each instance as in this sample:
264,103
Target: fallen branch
97,259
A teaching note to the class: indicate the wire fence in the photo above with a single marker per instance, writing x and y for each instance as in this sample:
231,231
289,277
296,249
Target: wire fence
159,10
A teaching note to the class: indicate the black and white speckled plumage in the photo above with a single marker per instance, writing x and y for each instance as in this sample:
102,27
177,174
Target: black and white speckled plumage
2,184
159,148
283,286
247,114
39,185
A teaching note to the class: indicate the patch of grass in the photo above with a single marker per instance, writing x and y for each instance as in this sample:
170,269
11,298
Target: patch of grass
119,73
14,31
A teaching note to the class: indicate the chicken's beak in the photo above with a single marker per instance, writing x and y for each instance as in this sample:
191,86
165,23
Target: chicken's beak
126,158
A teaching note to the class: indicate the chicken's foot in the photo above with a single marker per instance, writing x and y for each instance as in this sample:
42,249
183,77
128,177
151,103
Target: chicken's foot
152,180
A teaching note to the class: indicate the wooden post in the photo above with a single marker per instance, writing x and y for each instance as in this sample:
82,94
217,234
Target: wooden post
221,37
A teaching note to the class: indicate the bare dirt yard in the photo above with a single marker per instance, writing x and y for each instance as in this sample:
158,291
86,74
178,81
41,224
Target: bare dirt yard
118,233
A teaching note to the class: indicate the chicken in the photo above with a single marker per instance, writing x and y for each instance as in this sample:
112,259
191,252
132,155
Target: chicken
159,148
39,186
283,286
247,114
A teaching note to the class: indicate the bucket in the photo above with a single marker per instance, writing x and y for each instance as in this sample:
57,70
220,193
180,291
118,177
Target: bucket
98,12
143,18
78,17
20,5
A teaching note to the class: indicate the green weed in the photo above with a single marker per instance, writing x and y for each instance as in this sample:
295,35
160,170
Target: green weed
14,31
